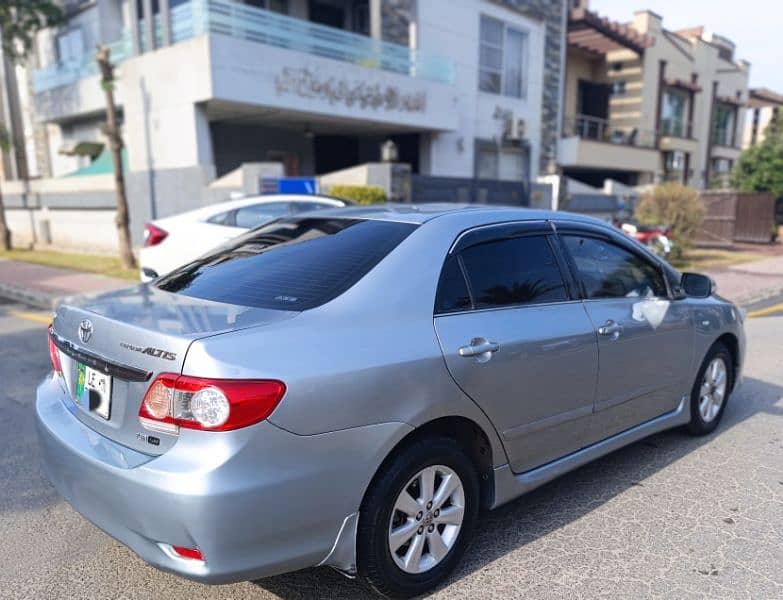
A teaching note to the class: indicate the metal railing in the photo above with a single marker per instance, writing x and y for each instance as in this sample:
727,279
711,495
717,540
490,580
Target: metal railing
723,136
231,18
676,128
602,130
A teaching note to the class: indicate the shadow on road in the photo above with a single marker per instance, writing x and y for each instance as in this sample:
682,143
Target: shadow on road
24,362
556,504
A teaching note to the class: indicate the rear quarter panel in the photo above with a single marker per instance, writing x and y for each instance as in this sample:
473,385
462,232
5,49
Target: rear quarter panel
370,356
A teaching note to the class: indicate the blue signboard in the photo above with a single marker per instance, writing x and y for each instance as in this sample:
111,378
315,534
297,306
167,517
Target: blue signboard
297,185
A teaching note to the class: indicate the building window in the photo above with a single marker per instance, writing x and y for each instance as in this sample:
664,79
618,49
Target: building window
278,6
618,88
502,59
673,114
504,162
722,166
70,46
674,165
723,125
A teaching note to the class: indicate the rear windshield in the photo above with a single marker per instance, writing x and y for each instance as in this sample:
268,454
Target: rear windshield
291,264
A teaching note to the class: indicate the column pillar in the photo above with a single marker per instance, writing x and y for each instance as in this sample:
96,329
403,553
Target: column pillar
149,26
134,28
165,22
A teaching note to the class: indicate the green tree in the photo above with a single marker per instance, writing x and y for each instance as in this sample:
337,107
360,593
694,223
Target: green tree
675,205
20,20
760,167
113,134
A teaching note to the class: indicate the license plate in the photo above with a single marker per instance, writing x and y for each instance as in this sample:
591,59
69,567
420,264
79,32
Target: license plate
93,391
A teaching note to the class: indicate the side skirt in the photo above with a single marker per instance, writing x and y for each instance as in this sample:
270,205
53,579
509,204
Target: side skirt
510,485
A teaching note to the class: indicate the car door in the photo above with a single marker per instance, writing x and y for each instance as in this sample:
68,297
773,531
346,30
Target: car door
517,341
645,338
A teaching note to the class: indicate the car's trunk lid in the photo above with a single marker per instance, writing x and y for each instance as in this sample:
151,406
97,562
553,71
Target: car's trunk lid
134,335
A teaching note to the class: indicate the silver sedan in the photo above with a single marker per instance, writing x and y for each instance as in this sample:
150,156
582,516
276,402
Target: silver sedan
349,388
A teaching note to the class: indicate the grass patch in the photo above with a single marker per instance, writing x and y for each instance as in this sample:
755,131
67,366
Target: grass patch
704,259
90,263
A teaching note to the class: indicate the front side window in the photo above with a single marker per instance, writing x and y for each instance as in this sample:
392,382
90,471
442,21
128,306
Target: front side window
608,271
502,58
291,264
514,271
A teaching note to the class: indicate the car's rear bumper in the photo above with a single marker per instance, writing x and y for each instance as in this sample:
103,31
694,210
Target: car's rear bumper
256,502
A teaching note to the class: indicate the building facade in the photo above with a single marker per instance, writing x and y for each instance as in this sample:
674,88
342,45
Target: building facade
763,116
644,104
465,88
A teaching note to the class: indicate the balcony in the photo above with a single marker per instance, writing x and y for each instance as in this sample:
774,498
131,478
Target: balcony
240,21
593,143
676,128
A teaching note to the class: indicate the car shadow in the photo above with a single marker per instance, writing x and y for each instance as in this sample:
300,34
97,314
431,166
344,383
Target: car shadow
24,362
556,504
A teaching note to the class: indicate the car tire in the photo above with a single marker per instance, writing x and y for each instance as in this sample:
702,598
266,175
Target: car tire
380,518
705,411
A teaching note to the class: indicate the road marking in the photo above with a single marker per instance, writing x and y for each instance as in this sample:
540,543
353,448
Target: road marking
31,316
763,312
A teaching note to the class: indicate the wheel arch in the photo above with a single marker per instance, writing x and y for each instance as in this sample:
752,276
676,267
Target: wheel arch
732,345
469,435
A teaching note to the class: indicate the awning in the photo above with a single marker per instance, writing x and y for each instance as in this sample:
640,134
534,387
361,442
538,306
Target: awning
598,35
102,165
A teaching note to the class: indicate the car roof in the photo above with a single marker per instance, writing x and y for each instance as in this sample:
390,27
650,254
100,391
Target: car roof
422,213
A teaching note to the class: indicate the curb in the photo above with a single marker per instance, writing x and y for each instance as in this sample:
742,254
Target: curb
36,299
760,297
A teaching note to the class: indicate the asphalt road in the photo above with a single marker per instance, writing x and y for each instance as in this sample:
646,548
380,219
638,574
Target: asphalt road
671,516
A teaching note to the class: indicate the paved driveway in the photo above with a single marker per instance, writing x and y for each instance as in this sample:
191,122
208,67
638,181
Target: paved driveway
671,516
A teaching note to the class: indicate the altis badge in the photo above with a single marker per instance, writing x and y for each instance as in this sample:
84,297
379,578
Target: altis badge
150,351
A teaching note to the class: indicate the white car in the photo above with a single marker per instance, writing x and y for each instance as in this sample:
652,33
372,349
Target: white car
175,241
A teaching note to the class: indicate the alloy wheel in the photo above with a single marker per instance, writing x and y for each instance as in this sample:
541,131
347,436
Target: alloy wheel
713,389
426,519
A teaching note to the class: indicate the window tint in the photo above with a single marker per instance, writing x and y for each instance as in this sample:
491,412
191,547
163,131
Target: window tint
258,214
513,271
608,271
291,264
453,292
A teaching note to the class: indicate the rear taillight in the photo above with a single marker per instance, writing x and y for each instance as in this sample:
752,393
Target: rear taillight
174,401
153,235
54,353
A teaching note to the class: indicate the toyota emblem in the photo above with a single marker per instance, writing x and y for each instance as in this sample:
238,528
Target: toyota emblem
85,330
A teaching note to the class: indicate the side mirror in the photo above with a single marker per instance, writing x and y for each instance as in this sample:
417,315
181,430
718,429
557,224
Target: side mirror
696,285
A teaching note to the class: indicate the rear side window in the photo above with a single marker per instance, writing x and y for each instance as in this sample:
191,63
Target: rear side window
258,214
291,264
453,294
224,218
514,271
608,271
306,205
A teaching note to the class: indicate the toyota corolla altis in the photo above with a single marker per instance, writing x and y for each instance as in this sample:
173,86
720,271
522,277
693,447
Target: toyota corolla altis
349,388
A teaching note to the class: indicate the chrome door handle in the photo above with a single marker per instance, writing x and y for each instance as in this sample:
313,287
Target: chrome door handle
611,328
479,347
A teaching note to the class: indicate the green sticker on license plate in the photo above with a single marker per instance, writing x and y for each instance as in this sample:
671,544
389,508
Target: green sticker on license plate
82,376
